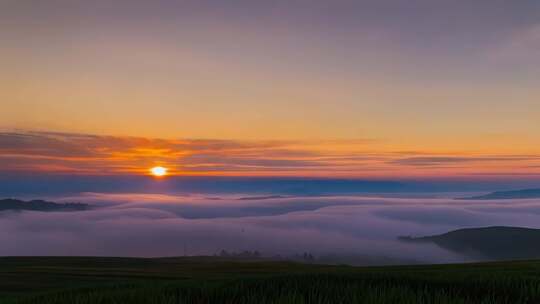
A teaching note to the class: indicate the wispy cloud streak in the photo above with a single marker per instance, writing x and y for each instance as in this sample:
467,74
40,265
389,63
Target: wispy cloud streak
49,152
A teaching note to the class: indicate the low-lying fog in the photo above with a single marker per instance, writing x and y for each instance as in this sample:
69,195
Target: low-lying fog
170,225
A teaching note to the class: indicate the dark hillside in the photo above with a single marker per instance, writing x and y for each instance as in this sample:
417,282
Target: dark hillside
518,194
39,205
490,243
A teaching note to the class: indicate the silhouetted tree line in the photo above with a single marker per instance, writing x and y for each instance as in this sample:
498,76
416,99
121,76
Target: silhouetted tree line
305,257
242,254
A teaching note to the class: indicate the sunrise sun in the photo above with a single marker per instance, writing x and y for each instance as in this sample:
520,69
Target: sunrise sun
158,171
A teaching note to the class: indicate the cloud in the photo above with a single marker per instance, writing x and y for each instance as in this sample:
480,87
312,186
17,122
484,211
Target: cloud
435,216
84,154
155,226
453,160
92,154
165,225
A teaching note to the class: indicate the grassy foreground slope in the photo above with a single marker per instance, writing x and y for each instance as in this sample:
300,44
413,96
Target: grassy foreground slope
213,280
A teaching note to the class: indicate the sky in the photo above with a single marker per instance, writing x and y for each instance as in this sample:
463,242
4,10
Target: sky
365,88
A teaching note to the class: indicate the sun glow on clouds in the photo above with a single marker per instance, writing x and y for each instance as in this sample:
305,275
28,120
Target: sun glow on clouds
42,152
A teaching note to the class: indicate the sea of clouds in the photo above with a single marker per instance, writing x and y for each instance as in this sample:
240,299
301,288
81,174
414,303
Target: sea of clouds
156,225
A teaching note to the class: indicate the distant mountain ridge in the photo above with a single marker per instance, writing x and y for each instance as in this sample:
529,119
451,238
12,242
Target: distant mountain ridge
489,243
40,205
516,194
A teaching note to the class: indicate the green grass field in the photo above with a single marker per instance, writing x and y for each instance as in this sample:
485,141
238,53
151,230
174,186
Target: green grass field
213,280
